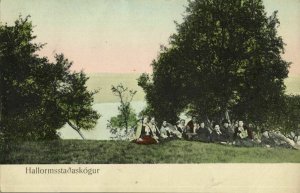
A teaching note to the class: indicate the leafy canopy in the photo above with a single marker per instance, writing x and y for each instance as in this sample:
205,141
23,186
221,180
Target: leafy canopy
38,97
225,56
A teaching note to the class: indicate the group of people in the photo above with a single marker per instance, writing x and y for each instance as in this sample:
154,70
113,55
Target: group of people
147,132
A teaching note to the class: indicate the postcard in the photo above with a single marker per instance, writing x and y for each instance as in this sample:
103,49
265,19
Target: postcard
149,96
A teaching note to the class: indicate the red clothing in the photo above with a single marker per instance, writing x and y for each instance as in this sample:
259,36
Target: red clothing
190,125
146,140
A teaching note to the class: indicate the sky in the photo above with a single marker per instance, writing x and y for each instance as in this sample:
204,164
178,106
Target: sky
124,36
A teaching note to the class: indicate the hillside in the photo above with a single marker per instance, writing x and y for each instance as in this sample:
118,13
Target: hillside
105,152
104,81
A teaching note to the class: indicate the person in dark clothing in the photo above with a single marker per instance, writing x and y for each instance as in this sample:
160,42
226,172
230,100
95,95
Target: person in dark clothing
226,130
242,132
190,125
203,133
250,129
242,135
217,135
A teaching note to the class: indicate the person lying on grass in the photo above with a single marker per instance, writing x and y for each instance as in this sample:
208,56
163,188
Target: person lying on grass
168,131
275,138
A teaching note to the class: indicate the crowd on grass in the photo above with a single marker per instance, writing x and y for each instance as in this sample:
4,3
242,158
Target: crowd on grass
239,133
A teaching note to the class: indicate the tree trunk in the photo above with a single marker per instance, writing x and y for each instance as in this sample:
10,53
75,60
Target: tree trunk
76,129
0,107
1,104
227,115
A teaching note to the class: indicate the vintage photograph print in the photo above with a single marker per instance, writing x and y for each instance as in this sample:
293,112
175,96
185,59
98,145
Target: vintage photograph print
149,82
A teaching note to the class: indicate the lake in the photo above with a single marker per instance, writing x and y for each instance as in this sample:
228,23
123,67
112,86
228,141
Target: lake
100,132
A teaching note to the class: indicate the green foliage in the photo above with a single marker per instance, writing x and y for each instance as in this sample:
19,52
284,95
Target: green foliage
126,118
287,119
120,152
119,120
226,55
38,97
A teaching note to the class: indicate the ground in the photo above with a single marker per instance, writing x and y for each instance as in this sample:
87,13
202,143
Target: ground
105,152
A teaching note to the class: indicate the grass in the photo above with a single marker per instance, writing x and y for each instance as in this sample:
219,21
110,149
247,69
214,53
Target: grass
104,81
108,152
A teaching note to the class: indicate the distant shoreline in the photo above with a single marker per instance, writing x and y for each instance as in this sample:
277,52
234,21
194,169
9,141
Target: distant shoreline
103,82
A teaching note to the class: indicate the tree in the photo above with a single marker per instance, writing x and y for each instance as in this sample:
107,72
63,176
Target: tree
37,96
126,117
225,56
287,119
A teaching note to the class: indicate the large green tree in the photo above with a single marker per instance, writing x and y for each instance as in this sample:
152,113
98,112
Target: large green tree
225,56
37,97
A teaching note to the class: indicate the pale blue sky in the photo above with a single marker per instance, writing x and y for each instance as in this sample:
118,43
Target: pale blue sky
124,35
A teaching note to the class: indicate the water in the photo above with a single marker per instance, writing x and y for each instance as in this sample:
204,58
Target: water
100,132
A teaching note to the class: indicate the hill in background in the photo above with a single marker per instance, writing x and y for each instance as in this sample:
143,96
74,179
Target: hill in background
104,81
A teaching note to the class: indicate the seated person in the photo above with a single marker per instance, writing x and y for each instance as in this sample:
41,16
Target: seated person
250,130
181,126
240,131
227,130
146,136
165,130
190,125
242,135
217,135
154,129
190,133
204,133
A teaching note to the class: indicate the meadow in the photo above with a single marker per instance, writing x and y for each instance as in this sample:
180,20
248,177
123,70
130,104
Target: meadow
73,151
124,152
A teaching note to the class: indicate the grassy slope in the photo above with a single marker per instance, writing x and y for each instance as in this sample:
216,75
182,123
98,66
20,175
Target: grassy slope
104,81
89,151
